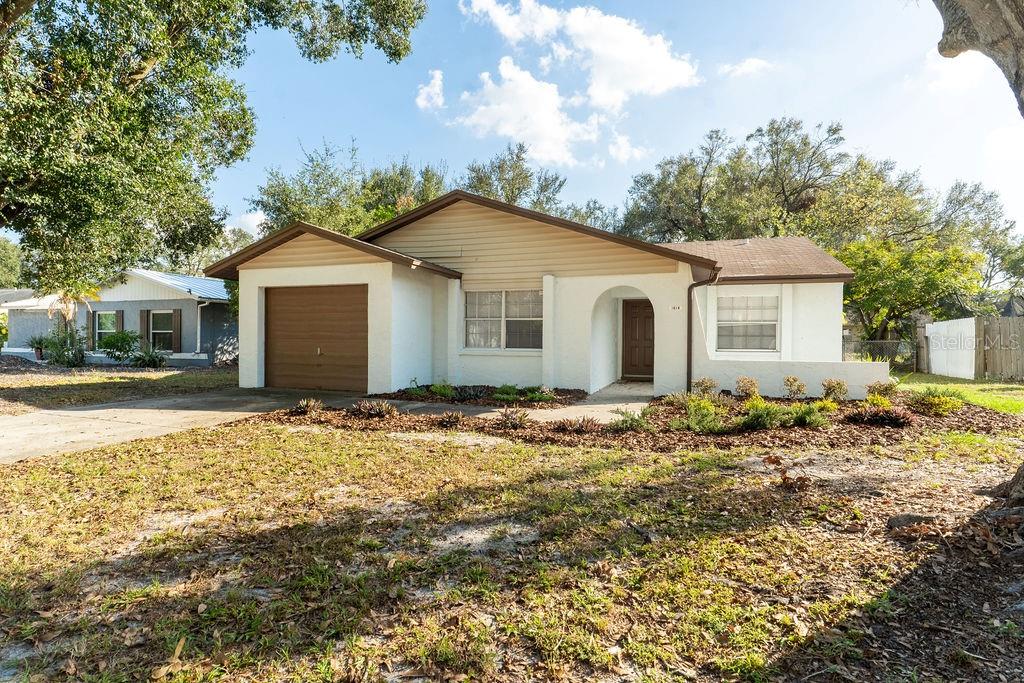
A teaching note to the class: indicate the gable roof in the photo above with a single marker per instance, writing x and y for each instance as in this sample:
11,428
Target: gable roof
769,259
454,196
228,268
13,295
205,288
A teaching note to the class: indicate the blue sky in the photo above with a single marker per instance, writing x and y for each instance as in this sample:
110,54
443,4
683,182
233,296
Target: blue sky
602,91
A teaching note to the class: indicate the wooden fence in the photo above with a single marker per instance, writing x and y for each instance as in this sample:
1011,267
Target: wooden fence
998,353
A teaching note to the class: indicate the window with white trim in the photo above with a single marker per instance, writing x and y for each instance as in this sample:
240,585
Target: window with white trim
511,319
161,330
106,324
748,323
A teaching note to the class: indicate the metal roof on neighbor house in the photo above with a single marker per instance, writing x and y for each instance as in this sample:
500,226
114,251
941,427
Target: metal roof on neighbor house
769,259
11,295
206,288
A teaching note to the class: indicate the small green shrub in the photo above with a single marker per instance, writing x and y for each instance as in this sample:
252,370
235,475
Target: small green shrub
66,346
417,391
375,410
795,388
149,358
472,392
886,389
677,398
308,406
936,402
825,405
505,398
702,417
765,416
37,341
806,415
542,396
881,417
121,346
450,419
512,418
878,401
747,386
704,386
576,425
630,421
755,402
509,389
443,389
834,389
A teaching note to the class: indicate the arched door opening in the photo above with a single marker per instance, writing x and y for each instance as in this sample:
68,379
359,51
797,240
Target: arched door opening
621,337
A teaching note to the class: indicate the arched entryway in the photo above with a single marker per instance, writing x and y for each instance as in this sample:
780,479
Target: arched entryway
621,337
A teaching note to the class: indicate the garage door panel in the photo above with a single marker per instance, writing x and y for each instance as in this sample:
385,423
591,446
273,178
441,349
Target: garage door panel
316,337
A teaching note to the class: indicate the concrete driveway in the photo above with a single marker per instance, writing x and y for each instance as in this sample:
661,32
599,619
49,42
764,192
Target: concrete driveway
45,432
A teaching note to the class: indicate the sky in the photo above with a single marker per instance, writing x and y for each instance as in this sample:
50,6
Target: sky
602,91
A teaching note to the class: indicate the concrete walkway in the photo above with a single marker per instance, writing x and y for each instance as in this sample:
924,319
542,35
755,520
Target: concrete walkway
46,432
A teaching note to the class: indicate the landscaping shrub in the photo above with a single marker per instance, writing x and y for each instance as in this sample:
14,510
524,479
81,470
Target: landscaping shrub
765,416
149,358
506,393
417,391
512,418
825,405
878,401
630,421
755,402
936,402
702,417
806,415
704,386
886,389
472,392
443,389
539,394
881,417
308,406
835,389
795,388
747,386
377,410
450,419
37,341
576,425
119,347
678,398
66,346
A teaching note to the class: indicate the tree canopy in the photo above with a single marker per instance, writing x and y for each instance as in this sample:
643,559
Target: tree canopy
114,116
10,264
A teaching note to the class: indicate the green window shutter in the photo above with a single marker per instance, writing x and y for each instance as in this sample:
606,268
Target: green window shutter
144,329
176,331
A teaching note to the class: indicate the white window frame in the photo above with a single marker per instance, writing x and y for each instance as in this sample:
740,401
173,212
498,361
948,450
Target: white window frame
96,320
503,347
745,295
168,331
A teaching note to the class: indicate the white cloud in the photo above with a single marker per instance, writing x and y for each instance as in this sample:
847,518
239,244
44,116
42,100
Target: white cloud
521,107
750,66
966,71
623,151
250,222
1003,150
533,20
431,95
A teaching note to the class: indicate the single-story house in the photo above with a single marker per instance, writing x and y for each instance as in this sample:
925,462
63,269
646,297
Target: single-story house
187,317
470,290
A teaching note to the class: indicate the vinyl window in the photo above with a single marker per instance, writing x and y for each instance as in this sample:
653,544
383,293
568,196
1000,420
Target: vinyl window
161,330
748,323
511,319
106,324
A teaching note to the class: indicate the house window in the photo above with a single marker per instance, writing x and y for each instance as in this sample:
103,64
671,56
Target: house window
106,324
161,330
511,319
748,323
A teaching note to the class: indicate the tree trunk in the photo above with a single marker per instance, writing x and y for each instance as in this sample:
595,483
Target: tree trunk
1013,490
11,11
993,27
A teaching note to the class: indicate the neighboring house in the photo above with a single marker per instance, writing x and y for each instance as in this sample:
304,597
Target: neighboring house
185,316
8,296
470,290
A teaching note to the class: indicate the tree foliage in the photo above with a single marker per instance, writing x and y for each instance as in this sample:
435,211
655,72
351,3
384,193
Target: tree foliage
508,177
114,116
10,264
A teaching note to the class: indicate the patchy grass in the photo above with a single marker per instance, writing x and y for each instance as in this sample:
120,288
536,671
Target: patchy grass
1005,397
279,553
24,392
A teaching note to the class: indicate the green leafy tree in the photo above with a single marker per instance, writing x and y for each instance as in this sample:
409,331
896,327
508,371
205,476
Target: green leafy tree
10,264
893,280
230,240
397,188
114,116
508,177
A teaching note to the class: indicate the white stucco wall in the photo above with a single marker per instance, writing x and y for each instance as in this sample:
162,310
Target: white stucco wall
816,324
412,338
951,347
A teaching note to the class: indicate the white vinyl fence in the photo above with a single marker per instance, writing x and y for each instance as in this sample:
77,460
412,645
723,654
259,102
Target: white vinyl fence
952,346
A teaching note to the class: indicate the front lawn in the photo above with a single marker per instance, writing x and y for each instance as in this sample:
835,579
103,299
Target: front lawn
22,392
1006,397
277,550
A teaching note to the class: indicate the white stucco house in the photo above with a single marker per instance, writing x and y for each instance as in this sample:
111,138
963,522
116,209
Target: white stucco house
470,290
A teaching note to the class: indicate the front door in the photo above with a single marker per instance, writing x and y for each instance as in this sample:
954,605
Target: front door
637,339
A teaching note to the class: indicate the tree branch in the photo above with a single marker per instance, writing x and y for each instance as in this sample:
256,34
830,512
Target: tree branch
11,11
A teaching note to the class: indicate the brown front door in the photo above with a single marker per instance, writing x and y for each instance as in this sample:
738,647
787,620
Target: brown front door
316,337
637,339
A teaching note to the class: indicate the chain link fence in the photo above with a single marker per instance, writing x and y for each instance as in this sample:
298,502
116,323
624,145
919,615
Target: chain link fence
901,355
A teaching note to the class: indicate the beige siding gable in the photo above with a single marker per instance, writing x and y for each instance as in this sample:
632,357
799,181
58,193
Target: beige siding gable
309,250
494,248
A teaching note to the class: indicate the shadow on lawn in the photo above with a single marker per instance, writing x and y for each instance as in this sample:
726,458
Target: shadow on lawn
246,595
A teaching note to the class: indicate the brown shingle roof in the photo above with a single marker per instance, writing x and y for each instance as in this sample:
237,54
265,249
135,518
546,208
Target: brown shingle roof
769,258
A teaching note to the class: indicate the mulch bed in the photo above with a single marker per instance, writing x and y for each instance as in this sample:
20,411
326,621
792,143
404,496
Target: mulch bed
838,434
563,397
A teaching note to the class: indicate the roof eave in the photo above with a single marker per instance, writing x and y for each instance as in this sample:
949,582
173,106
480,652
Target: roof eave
784,279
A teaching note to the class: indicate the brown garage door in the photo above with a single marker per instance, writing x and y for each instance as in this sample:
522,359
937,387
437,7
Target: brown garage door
316,337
